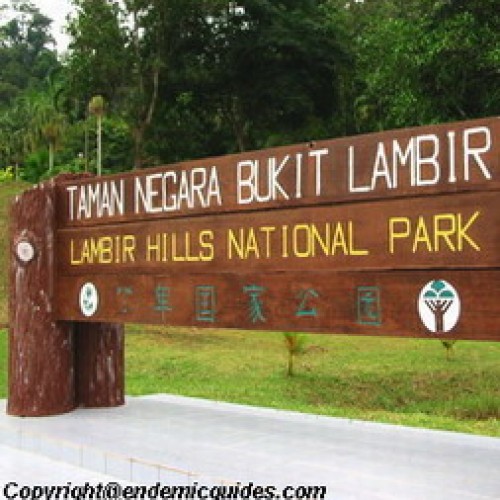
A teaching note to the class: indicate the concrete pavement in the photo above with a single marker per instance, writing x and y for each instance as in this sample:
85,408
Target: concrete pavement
181,441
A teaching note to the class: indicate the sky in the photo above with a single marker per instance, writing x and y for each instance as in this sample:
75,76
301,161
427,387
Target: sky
57,11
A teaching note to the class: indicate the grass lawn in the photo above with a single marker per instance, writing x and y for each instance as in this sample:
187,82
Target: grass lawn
409,382
402,381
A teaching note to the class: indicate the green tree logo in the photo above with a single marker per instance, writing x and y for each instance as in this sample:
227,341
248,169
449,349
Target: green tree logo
89,299
439,306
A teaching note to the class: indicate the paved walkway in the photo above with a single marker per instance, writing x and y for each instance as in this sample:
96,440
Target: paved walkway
181,441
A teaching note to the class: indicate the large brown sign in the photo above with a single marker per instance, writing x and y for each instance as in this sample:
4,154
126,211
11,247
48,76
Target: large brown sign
394,233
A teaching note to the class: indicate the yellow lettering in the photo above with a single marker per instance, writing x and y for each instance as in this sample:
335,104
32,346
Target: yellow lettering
444,228
103,250
447,232
206,243
284,242
235,243
399,227
74,260
462,232
128,248
306,252
322,240
153,248
352,250
339,240
252,245
421,236
268,230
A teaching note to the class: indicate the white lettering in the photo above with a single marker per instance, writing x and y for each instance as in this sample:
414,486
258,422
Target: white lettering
170,191
71,190
318,155
475,152
431,159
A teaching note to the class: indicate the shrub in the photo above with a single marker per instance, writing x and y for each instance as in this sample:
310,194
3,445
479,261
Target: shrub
7,174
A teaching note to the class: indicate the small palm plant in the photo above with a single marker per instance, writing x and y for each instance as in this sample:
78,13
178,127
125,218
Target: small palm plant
295,344
448,345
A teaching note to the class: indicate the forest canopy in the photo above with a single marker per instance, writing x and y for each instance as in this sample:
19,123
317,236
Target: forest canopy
147,82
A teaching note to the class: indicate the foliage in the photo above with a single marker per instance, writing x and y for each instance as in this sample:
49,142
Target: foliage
425,62
187,79
7,174
25,58
449,345
35,166
97,63
295,345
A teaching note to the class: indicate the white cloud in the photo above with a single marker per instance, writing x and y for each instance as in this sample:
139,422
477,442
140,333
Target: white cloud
57,10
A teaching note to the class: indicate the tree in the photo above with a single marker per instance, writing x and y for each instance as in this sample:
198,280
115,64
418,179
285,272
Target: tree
97,63
46,124
96,108
270,70
25,56
423,61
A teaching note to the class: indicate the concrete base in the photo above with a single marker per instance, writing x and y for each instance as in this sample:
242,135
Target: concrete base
180,441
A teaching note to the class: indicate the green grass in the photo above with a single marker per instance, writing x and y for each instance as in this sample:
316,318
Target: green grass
402,381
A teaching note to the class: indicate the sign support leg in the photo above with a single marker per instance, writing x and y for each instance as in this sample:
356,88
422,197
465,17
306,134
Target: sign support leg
54,366
100,364
41,351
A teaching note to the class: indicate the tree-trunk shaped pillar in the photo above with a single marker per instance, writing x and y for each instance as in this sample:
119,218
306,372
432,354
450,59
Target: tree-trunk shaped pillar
54,366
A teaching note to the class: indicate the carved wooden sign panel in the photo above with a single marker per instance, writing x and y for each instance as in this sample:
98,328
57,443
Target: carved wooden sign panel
394,233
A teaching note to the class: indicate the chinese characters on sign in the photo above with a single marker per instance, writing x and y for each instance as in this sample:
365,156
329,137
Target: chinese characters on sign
369,309
205,300
205,303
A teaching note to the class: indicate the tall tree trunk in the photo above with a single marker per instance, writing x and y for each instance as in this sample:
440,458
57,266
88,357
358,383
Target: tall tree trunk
138,141
86,152
99,145
143,124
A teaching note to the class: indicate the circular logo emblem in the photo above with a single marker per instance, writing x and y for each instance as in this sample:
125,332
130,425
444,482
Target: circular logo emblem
89,299
439,306
25,251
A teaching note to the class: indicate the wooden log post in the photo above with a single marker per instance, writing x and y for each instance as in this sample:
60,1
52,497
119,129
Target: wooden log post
54,366
100,364
41,351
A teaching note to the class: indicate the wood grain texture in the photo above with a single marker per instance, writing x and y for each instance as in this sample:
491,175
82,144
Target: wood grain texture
100,375
369,303
41,350
54,366
448,231
347,223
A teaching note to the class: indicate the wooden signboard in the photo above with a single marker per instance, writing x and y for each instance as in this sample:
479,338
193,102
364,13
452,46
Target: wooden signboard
395,233
389,234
